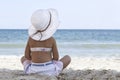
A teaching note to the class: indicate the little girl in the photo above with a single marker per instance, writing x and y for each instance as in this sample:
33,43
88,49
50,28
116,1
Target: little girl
41,54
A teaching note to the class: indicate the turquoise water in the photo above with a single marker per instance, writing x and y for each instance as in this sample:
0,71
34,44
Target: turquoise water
95,43
95,36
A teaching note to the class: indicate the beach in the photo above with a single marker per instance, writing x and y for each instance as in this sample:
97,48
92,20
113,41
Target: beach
83,68
95,54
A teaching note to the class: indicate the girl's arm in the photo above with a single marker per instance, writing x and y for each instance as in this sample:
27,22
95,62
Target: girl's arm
27,51
55,51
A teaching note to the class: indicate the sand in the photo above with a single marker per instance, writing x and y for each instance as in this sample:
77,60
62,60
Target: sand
80,69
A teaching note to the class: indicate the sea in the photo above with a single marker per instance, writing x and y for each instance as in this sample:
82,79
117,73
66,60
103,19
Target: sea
74,42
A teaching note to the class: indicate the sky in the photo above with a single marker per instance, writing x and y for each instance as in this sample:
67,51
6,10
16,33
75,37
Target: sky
73,14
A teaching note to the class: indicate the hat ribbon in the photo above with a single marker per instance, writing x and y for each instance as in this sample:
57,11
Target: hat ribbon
40,31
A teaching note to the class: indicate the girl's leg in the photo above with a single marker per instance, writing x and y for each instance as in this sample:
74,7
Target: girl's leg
26,63
66,60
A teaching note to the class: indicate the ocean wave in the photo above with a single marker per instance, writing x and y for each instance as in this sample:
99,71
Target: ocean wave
12,45
90,45
69,48
74,45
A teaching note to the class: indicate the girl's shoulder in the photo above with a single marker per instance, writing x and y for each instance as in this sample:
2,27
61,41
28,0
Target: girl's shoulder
51,39
30,39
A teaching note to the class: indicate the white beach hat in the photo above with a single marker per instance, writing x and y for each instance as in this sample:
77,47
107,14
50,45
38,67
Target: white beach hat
44,24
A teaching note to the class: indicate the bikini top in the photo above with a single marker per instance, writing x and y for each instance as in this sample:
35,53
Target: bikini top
41,49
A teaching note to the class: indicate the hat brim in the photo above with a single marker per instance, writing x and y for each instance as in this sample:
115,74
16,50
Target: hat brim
49,31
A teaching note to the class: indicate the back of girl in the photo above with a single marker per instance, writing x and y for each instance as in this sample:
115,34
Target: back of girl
41,53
